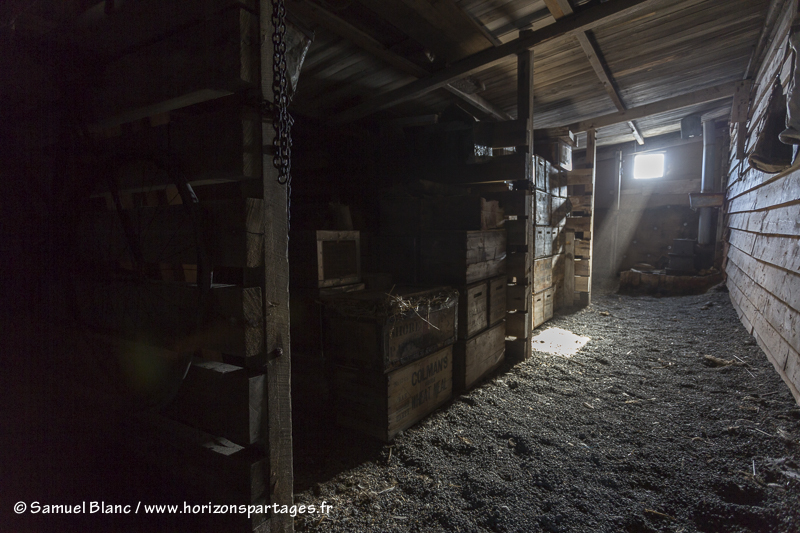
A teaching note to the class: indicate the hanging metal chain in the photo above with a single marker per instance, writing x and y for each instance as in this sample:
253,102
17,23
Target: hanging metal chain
281,120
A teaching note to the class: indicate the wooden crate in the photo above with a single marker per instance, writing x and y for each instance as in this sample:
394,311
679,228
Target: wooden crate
558,210
325,258
542,208
542,274
582,283
462,257
548,304
476,357
306,311
541,179
381,405
518,324
539,242
513,203
399,256
400,215
518,267
222,399
497,299
473,309
538,309
582,267
374,331
517,297
582,248
517,232
460,213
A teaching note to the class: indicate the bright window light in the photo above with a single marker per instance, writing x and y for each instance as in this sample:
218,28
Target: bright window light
648,166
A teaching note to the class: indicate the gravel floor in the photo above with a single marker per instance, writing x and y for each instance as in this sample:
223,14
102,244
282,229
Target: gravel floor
638,432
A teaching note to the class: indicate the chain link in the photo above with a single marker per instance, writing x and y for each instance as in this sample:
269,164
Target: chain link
281,120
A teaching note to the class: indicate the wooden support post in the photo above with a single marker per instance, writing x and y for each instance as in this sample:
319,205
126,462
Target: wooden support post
525,112
591,162
276,429
618,192
569,270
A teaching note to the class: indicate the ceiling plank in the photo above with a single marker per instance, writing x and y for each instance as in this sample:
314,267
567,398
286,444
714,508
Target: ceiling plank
347,31
583,20
710,94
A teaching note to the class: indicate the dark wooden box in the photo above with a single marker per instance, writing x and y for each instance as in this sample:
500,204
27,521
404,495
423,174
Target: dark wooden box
381,405
497,299
518,268
518,297
325,258
306,311
462,257
542,274
476,357
377,331
398,255
518,324
460,213
400,215
542,207
541,179
472,309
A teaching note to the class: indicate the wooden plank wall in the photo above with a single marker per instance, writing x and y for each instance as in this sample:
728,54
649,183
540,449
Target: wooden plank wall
763,229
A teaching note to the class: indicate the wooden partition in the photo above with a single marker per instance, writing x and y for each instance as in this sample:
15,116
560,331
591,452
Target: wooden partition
763,236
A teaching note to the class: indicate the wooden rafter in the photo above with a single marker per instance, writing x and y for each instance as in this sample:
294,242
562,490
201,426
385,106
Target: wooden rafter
584,20
562,8
347,31
710,94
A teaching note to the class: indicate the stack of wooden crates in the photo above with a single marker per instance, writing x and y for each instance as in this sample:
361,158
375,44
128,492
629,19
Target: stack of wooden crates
324,264
462,244
391,356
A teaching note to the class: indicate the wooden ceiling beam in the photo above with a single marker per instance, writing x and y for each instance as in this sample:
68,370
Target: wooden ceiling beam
562,8
600,68
350,33
583,20
559,8
710,94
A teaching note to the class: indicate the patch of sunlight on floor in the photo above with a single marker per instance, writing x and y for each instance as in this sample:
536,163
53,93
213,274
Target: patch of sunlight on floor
559,341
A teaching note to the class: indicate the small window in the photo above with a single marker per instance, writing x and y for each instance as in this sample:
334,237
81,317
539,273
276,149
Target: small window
648,166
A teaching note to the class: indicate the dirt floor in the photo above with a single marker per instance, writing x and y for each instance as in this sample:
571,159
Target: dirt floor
638,432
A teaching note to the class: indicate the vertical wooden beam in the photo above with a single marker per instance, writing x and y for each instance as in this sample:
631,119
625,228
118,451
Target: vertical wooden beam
591,161
277,433
569,271
618,193
525,111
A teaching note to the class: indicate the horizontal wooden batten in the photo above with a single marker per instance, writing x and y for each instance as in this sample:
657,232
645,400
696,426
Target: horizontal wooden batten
212,59
165,314
221,399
